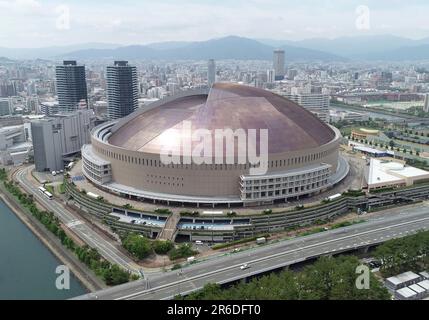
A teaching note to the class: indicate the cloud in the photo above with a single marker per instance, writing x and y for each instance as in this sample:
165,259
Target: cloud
132,21
20,5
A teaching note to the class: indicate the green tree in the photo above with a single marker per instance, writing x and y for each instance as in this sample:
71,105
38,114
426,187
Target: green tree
182,251
115,275
138,245
162,247
399,255
328,278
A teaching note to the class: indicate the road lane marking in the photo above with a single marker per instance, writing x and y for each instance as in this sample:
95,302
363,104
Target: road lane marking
66,216
294,250
74,223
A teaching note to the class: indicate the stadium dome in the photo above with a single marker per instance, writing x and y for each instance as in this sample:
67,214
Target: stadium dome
125,156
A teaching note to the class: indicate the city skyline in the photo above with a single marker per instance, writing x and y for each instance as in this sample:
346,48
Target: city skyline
39,23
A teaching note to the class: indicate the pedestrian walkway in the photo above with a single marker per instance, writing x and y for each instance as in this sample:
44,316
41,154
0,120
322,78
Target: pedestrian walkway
170,228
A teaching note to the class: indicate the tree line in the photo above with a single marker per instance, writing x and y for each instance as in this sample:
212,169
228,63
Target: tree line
111,274
404,254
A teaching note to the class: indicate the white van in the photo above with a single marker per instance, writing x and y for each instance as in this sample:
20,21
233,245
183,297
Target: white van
191,259
261,240
199,243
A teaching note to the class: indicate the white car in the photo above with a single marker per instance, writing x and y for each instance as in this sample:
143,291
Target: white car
244,266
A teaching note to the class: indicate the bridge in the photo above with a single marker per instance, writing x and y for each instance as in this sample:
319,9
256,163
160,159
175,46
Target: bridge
225,268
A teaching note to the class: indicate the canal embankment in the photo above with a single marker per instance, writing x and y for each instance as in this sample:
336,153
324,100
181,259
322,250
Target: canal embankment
86,276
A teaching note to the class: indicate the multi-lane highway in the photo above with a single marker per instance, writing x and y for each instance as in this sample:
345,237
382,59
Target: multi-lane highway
223,268
390,224
104,245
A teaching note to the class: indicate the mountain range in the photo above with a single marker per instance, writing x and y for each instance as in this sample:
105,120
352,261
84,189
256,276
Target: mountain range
49,52
369,48
379,47
231,47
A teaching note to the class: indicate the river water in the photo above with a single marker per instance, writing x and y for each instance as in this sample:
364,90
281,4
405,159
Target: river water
27,267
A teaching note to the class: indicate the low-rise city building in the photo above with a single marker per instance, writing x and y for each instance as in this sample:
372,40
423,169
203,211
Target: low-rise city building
409,286
14,147
337,116
402,280
364,134
389,173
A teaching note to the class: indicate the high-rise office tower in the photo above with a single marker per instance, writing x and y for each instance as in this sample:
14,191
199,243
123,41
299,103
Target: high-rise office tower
426,103
279,64
5,107
270,75
122,90
317,103
211,73
71,86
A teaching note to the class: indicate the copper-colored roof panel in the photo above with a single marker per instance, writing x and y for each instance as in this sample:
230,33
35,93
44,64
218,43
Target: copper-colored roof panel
290,127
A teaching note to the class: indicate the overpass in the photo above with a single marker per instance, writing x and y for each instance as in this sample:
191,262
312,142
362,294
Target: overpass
225,268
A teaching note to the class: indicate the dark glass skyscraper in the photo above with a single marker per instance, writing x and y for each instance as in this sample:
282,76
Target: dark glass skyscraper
122,90
71,86
279,64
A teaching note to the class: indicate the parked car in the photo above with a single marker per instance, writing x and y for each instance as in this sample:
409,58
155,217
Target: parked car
374,264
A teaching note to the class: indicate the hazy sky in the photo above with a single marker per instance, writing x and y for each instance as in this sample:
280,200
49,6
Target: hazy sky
37,23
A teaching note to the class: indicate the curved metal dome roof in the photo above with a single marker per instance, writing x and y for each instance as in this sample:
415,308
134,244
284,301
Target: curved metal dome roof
290,126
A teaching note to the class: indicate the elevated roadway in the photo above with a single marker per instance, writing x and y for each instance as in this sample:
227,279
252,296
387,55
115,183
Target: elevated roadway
390,224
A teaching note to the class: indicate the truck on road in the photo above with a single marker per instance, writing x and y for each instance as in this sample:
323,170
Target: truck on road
261,240
334,197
